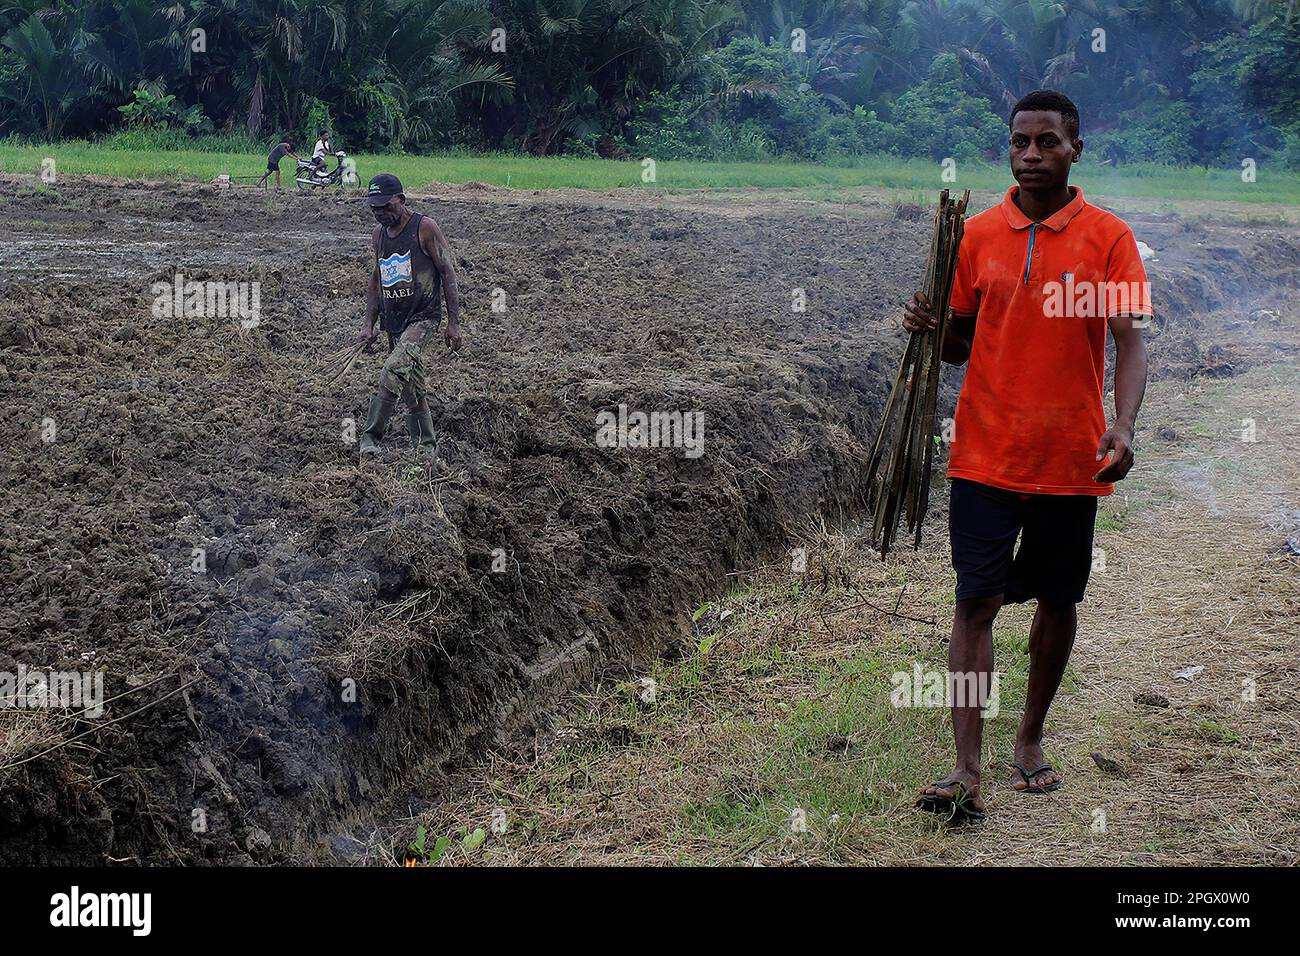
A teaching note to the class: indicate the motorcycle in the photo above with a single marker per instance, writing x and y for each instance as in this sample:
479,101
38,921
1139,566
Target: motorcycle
311,176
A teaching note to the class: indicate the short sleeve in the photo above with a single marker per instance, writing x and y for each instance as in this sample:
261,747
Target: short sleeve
1127,290
964,299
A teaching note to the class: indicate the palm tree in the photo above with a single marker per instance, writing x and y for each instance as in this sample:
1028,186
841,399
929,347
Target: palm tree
55,80
419,59
396,63
135,43
582,66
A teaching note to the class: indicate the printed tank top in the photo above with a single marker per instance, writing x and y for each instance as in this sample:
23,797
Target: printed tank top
409,282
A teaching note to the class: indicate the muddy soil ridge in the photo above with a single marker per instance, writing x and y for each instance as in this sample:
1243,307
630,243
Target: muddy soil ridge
350,622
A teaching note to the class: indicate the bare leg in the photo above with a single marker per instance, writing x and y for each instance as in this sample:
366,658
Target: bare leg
1051,638
970,651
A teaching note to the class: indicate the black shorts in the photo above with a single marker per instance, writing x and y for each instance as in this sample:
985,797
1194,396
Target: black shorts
273,167
1055,553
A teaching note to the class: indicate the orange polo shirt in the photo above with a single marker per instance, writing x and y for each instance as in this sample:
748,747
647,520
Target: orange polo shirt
1030,413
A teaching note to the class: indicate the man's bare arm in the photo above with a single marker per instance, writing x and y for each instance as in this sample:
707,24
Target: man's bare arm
435,245
1130,386
957,338
372,296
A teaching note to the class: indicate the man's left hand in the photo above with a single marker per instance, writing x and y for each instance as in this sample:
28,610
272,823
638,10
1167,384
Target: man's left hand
453,336
1119,440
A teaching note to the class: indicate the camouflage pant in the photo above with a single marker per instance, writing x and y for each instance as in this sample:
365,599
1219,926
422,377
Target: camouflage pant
404,368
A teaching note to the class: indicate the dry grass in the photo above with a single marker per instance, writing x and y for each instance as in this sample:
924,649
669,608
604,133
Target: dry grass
377,635
24,732
784,705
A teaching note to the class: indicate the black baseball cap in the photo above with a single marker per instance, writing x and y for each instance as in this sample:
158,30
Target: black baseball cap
383,188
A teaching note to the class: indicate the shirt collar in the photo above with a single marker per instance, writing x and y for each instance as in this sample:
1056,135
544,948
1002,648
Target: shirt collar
1055,222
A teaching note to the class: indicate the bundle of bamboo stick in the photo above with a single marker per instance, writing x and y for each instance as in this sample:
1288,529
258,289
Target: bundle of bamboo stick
905,443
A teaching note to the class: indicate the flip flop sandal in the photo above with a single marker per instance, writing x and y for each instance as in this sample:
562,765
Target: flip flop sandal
958,808
1029,775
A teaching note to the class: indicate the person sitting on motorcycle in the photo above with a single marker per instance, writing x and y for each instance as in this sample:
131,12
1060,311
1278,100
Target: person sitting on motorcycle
319,153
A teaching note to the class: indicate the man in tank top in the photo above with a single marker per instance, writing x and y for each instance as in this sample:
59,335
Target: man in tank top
413,270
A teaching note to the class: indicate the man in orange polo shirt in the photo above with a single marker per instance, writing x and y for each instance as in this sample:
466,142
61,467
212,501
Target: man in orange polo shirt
1039,279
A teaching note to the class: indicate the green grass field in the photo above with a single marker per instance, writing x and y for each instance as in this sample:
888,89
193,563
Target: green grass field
527,172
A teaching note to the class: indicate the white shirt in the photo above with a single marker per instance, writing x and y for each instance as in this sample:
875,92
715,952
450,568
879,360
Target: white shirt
320,151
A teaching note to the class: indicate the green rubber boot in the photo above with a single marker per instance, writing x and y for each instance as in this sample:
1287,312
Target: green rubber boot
420,427
377,417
